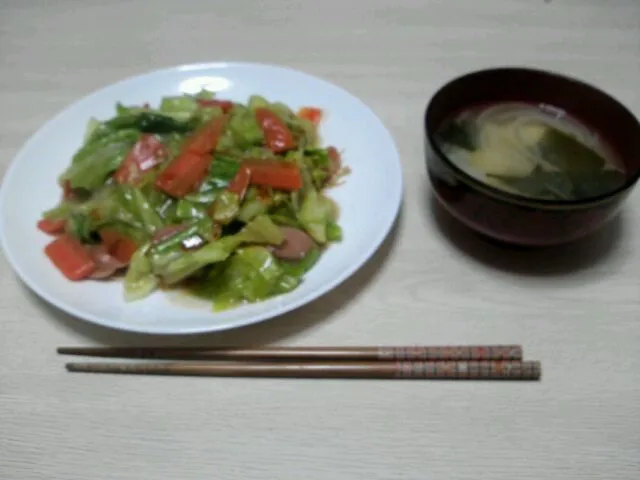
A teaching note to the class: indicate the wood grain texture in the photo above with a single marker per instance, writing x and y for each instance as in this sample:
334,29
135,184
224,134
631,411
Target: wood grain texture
576,309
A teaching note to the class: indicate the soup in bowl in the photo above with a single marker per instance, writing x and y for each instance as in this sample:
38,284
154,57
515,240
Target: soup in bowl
530,157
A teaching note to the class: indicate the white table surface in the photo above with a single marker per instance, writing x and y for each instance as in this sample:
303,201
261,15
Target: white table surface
577,309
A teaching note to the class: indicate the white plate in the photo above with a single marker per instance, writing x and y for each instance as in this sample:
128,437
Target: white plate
369,200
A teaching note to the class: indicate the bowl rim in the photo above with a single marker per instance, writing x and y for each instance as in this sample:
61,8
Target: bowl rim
513,198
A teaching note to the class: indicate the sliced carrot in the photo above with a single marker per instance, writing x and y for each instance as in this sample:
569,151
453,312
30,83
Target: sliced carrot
109,237
188,170
240,183
145,154
312,114
119,246
183,174
124,250
277,135
275,174
204,141
51,227
70,257
225,105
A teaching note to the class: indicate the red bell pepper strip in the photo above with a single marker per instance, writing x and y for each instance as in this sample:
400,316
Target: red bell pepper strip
275,174
225,105
205,140
71,257
145,154
277,135
240,182
183,175
188,169
119,246
312,114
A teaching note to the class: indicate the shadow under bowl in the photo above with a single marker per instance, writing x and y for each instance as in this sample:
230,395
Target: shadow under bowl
512,218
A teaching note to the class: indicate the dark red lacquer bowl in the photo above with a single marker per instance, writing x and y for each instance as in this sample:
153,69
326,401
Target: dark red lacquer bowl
511,218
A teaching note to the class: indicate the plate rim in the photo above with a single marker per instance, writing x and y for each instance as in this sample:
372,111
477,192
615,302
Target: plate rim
98,320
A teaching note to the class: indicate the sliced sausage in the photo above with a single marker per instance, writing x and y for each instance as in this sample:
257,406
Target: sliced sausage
335,162
295,246
167,232
106,264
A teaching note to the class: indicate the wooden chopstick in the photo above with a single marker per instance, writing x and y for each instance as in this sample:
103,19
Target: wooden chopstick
447,370
423,353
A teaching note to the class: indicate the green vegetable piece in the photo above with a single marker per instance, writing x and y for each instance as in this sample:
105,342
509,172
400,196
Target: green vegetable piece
222,171
174,266
92,125
305,132
251,209
226,207
258,153
256,101
315,212
125,121
205,95
60,211
541,184
183,266
139,281
294,271
459,133
150,122
80,226
568,154
181,108
285,220
207,114
187,210
93,163
317,157
206,229
283,111
202,198
301,267
287,283
334,232
597,184
127,137
142,208
244,129
261,230
104,200
124,111
147,121
173,142
251,275
176,239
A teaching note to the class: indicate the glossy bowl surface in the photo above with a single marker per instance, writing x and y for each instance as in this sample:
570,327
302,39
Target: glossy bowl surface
512,218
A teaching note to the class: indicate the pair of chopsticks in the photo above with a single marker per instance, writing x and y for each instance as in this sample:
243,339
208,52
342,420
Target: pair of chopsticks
491,362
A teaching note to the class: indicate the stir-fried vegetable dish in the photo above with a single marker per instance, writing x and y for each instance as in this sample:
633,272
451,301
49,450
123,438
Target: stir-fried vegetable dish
221,198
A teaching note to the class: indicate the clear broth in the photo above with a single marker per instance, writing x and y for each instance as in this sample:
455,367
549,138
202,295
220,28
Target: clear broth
535,151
